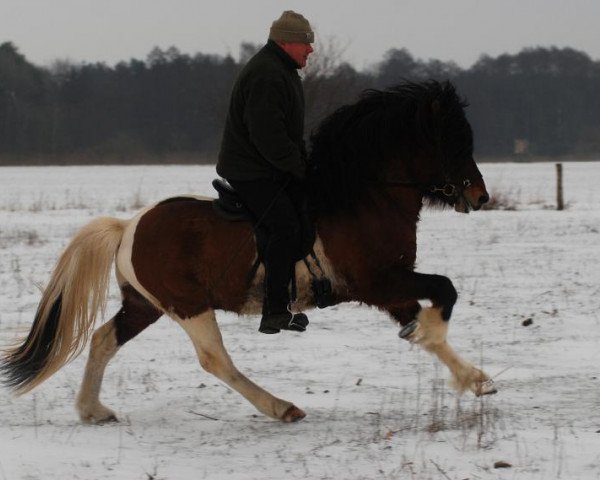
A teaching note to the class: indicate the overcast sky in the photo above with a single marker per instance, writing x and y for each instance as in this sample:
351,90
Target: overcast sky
459,30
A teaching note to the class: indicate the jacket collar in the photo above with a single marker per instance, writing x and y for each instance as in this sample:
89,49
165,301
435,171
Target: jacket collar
288,61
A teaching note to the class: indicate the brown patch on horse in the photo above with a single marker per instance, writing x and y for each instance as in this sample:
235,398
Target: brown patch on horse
175,199
135,314
379,236
404,312
190,259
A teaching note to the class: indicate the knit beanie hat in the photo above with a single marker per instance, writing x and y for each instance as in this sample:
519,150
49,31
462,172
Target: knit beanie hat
291,27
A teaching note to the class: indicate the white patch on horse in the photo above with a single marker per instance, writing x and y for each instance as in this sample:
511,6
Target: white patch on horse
124,264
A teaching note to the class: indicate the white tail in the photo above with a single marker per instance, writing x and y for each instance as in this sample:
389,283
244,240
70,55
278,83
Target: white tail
70,304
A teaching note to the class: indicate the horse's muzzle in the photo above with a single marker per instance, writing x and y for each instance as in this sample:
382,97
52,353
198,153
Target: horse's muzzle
472,198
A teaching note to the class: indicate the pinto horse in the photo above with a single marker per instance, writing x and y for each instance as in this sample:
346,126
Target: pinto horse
373,165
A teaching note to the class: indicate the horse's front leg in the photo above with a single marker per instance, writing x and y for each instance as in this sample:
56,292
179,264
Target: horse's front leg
401,288
206,337
430,332
429,327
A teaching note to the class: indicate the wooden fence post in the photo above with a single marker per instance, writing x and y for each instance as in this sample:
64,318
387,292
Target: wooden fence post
559,187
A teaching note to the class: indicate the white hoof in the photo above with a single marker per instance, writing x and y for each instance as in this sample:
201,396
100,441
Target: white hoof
484,388
96,415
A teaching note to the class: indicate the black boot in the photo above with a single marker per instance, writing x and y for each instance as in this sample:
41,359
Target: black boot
279,268
275,322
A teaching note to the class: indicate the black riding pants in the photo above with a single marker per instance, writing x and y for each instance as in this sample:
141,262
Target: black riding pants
275,206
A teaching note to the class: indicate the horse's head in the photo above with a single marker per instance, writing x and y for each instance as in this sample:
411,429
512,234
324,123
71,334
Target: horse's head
450,173
466,191
414,135
461,187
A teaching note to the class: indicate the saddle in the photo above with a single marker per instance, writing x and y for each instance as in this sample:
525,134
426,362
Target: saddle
230,207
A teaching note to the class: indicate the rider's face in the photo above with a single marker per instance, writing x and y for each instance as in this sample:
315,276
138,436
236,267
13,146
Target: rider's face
298,51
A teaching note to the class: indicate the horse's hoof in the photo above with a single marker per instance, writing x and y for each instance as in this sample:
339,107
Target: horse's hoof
107,420
293,414
111,419
486,388
408,329
104,420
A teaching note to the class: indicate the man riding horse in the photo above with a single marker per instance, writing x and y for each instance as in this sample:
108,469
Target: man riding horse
263,157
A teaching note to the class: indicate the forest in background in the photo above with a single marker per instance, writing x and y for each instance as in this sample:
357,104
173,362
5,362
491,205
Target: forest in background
171,106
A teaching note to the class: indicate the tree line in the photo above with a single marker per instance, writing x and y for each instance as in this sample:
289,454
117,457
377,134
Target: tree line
171,107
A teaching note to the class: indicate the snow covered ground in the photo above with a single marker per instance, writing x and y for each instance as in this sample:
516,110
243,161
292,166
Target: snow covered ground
377,407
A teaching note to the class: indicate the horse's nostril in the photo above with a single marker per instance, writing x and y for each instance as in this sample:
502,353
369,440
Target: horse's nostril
484,199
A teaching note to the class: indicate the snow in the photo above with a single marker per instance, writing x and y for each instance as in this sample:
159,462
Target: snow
377,407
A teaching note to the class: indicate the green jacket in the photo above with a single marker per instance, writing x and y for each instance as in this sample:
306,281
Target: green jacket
264,130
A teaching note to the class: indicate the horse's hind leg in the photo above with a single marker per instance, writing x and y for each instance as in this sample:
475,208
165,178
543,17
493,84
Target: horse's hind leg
135,315
206,336
103,347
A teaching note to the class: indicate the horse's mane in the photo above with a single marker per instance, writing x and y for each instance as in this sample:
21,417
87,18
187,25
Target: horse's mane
351,150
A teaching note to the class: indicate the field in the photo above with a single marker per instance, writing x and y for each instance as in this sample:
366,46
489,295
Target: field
528,313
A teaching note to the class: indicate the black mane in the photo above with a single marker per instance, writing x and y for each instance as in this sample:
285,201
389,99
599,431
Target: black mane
355,147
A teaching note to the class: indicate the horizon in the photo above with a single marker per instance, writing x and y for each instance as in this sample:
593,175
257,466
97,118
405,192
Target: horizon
237,57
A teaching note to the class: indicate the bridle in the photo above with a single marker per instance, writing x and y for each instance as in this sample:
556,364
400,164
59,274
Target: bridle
448,189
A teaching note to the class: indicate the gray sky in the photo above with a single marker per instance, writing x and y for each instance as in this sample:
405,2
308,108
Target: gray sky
458,30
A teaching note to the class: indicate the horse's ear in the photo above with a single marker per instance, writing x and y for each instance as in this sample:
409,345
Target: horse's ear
436,107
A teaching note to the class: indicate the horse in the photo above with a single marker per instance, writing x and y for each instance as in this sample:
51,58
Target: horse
373,165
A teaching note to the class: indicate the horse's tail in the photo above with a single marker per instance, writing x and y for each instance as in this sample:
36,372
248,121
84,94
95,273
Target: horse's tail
70,303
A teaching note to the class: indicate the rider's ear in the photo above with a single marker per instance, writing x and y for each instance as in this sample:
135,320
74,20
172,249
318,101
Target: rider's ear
436,107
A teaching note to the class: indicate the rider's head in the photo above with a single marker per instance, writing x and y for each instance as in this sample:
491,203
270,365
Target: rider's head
293,34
